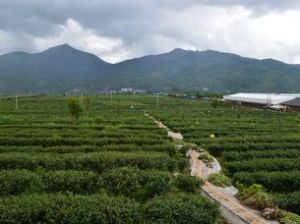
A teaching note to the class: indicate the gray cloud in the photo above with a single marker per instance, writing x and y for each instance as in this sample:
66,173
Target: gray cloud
132,28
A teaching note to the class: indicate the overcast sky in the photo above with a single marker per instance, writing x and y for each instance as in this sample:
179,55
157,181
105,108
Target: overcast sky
116,30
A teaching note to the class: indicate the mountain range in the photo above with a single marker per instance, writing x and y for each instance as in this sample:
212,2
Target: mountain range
64,68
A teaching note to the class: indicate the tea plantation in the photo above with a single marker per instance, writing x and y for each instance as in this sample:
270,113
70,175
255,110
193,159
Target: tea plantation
113,165
253,146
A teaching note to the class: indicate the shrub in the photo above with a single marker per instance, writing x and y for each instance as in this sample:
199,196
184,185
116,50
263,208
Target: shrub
288,217
98,162
273,181
181,208
182,163
74,181
75,107
219,179
206,157
188,183
123,181
14,182
255,196
154,183
58,208
288,201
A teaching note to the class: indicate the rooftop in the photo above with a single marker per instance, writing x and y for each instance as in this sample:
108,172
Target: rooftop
262,98
294,102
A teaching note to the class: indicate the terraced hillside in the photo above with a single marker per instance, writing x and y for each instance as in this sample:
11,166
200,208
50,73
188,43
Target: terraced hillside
254,146
112,166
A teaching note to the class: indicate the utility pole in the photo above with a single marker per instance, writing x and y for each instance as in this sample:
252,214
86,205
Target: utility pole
157,100
111,96
81,98
17,104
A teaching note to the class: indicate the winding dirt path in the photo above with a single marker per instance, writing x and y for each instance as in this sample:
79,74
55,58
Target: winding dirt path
231,209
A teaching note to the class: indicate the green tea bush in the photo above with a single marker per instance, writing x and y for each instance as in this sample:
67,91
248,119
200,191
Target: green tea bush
188,183
274,181
98,162
255,196
288,217
288,201
206,157
14,182
219,179
58,208
155,183
79,182
132,182
123,181
181,208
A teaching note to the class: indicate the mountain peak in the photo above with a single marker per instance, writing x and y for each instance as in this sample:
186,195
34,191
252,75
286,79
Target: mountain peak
64,47
179,50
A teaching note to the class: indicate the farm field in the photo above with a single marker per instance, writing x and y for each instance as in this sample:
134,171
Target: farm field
114,165
253,146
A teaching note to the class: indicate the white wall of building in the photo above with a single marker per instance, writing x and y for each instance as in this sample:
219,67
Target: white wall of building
261,98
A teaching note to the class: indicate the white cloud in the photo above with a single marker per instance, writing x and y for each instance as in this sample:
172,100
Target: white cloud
116,30
86,39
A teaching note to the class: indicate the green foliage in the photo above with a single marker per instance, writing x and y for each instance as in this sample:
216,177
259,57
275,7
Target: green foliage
288,201
279,181
182,208
288,217
59,208
206,157
182,164
219,179
154,183
255,196
98,162
72,181
188,183
75,107
136,183
14,182
123,181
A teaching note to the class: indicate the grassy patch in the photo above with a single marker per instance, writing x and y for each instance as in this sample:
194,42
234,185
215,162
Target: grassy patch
219,179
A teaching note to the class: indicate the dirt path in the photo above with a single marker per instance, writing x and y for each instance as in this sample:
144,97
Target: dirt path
174,135
231,208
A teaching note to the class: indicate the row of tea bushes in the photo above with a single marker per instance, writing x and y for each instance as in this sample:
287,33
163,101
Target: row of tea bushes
126,181
98,162
165,147
274,181
59,208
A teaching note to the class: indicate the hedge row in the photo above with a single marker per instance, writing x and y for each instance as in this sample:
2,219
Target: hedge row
273,164
15,182
98,162
254,154
288,201
126,181
11,141
166,147
273,181
242,147
69,209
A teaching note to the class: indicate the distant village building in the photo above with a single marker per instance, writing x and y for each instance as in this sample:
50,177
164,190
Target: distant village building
261,100
140,91
127,90
292,105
